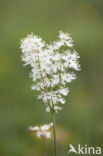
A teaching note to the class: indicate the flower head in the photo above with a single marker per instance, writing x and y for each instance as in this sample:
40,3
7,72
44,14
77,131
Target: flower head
42,131
52,67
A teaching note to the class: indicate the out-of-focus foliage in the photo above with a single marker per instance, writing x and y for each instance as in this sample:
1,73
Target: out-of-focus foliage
82,115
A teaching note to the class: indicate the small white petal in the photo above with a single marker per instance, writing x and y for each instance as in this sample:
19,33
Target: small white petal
47,109
51,124
36,128
64,91
45,127
57,108
48,135
39,134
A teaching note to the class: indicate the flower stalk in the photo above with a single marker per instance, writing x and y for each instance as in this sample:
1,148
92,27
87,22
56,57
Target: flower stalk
54,132
46,146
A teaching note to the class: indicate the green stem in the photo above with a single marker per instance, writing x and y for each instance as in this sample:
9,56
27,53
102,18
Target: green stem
54,131
46,147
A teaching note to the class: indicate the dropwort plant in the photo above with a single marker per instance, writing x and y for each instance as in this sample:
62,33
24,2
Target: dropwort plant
43,132
52,69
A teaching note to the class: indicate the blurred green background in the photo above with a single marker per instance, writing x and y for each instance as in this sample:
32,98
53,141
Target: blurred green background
82,115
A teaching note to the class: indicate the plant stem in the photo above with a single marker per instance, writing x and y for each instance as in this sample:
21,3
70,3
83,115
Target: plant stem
46,147
54,131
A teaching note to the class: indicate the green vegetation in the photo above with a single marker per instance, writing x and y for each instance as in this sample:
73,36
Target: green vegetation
82,115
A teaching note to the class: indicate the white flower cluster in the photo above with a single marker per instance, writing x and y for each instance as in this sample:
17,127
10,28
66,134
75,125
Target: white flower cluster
42,131
52,67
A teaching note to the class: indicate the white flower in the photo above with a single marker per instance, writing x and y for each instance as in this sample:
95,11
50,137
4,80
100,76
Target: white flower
45,127
39,134
57,45
48,135
64,36
36,128
57,108
55,80
51,124
43,130
52,67
31,43
47,109
54,99
61,100
73,64
64,91
65,39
